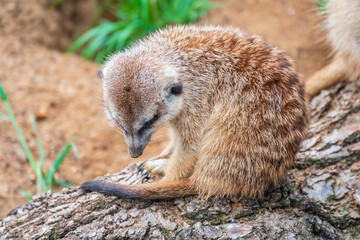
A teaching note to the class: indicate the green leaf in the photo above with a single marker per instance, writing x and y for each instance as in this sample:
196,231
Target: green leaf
17,128
55,166
102,55
55,4
39,167
95,45
2,93
5,117
135,19
63,183
75,150
322,4
38,139
41,180
82,40
26,193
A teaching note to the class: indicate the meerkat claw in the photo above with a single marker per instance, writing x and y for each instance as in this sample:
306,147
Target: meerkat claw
142,170
153,165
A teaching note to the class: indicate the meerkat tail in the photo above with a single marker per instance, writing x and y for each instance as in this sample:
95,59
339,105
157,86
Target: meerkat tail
156,190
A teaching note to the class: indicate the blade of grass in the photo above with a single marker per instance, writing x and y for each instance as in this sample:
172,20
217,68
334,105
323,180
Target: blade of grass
145,13
75,150
39,168
11,115
95,45
55,4
101,56
58,161
129,29
38,182
38,139
5,117
26,193
82,40
322,5
62,183
3,95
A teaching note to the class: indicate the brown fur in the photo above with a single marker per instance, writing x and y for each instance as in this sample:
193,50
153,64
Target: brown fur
238,123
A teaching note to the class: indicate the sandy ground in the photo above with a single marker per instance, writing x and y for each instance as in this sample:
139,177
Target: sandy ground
64,92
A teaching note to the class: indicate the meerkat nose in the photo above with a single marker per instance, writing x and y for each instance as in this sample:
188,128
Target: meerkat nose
135,151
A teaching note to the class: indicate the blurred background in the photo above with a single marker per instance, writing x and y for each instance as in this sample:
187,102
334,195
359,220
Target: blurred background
51,50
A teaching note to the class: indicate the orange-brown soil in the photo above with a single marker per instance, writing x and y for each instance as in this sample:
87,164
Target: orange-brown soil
64,92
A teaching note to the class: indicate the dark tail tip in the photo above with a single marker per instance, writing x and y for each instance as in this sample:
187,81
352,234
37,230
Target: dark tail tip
111,189
96,186
101,187
91,186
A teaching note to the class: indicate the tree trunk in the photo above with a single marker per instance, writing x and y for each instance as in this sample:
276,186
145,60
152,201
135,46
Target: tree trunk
320,199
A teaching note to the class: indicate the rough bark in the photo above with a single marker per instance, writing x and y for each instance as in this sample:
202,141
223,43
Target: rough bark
320,199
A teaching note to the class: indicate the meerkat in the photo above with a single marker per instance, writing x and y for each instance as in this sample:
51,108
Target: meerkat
342,22
235,106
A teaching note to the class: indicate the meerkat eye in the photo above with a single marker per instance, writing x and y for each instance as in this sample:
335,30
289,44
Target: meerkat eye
149,123
176,88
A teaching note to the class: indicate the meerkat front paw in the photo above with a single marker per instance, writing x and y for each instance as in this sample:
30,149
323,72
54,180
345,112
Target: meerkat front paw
153,165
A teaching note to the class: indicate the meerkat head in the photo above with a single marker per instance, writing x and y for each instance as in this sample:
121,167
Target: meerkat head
139,96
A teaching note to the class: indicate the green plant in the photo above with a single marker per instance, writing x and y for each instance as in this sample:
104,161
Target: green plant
135,19
55,3
322,4
45,181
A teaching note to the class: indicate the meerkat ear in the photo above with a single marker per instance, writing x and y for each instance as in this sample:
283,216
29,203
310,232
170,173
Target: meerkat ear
175,88
100,74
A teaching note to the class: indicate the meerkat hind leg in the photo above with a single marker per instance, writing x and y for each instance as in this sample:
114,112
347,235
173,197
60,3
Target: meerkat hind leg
180,166
327,76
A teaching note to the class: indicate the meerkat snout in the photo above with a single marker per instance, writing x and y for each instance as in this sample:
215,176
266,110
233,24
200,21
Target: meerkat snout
136,150
135,144
137,139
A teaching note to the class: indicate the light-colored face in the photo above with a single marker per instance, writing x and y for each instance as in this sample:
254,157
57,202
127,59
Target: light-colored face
138,98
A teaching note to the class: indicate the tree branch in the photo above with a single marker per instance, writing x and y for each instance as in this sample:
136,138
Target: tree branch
319,199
